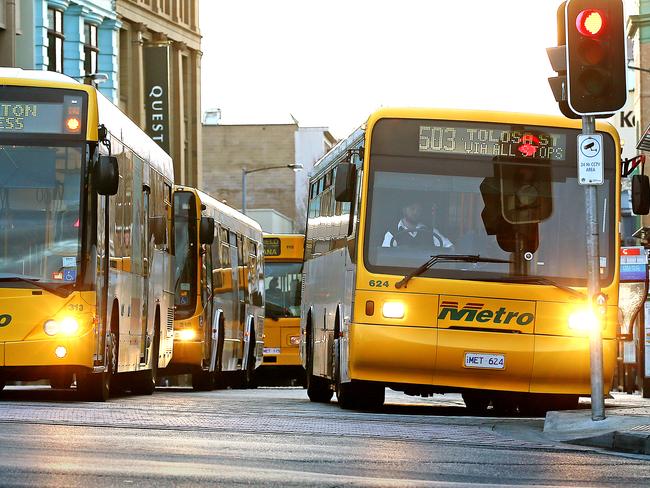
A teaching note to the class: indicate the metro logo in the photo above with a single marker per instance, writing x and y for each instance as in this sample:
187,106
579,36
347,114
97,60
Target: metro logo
473,312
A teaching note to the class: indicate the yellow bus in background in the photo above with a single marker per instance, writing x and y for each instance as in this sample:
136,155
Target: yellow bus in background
85,248
219,292
283,256
445,252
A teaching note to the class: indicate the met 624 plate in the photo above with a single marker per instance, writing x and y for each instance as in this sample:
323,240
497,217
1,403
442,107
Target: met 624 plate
484,360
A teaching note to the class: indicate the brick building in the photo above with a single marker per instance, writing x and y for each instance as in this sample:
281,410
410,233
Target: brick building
229,148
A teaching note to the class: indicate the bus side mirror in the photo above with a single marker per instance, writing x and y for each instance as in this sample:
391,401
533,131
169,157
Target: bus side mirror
158,227
106,175
640,194
206,230
346,177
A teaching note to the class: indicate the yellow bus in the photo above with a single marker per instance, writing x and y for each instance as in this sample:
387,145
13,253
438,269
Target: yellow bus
85,261
219,285
283,255
445,252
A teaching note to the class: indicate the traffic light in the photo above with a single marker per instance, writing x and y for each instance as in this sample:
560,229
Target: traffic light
595,53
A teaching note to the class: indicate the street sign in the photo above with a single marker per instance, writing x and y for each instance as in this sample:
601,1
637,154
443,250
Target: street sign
633,264
590,159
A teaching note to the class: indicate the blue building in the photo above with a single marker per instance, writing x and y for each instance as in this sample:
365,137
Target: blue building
77,38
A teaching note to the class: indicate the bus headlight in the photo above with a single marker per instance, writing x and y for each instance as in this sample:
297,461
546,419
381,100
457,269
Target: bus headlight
51,327
68,326
393,310
186,335
583,320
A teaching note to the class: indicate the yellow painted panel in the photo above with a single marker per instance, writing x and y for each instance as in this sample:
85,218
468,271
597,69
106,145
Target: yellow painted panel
392,354
272,334
41,352
450,363
2,354
562,365
419,310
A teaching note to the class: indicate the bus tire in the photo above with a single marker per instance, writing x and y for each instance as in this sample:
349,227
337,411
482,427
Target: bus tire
476,402
96,387
318,389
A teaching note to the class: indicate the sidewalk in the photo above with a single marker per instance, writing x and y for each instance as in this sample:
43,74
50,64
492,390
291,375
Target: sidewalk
626,428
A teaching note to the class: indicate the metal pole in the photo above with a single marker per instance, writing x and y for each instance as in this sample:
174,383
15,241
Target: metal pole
593,283
243,191
8,37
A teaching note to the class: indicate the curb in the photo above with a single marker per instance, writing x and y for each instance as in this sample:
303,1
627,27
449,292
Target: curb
627,441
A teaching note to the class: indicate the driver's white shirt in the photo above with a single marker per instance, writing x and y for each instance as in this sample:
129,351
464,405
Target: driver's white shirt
435,237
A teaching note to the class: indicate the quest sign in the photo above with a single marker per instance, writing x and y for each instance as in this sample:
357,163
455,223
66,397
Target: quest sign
156,91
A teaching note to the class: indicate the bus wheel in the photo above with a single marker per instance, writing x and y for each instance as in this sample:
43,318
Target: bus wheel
360,395
96,387
61,381
202,381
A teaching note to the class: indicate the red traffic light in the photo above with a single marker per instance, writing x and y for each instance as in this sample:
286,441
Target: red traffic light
591,22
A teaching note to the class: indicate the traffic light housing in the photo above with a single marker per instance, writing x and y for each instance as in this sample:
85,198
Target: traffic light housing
595,54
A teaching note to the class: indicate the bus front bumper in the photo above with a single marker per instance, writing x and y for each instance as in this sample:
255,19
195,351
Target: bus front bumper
438,357
57,351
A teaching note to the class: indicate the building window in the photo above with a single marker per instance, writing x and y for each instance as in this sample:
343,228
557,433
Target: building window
91,49
55,40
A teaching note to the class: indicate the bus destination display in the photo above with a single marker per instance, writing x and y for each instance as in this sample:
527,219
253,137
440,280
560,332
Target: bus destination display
499,142
42,117
272,246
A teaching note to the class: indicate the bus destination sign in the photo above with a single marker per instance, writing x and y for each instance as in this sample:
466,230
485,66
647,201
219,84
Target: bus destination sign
495,142
272,246
63,117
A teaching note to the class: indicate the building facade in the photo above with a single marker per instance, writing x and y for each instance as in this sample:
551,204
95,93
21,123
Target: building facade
74,37
228,149
160,75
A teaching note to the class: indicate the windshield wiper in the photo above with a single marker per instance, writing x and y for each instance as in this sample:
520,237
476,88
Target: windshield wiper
447,258
541,280
58,290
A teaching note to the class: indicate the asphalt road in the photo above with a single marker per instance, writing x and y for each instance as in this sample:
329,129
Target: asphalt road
276,437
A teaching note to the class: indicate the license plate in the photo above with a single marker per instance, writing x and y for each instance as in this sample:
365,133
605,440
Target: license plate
485,361
271,350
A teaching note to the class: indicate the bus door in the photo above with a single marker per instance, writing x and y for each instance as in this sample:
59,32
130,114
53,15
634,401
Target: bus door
206,301
146,271
236,318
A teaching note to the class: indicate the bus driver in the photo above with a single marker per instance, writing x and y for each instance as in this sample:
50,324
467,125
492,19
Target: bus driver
411,231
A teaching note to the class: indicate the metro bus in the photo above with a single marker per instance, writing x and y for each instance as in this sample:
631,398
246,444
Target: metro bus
283,254
445,252
219,292
85,256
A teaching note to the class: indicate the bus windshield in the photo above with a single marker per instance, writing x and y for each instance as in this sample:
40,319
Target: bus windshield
499,191
39,212
283,287
185,217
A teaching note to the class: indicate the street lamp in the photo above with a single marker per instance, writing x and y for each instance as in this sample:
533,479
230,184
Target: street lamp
244,172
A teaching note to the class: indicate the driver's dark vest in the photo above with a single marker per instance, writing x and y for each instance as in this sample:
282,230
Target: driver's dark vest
404,238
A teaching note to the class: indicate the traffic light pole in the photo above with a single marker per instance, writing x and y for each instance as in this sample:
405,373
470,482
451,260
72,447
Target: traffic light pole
593,284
